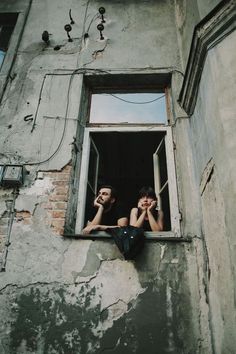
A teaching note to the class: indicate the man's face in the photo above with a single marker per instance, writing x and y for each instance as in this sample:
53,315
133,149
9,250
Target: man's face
104,197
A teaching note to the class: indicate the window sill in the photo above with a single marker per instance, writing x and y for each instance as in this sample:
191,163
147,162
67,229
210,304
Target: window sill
153,236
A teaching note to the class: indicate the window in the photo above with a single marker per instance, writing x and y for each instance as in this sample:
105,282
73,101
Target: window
7,24
129,153
128,108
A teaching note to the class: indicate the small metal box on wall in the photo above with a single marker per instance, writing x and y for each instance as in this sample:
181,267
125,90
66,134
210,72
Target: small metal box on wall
12,175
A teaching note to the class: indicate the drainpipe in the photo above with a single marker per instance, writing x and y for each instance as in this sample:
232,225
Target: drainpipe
10,205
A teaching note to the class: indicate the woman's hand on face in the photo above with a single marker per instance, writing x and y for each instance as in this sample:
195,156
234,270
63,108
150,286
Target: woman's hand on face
152,205
141,206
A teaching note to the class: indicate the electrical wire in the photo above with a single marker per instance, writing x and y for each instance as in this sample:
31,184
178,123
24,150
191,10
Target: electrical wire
91,22
146,102
71,74
63,132
85,17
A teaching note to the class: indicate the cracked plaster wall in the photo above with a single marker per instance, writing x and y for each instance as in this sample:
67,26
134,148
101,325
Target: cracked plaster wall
104,303
61,295
188,14
212,134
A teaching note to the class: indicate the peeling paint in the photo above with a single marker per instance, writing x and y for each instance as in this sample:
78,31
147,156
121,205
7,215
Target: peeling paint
67,296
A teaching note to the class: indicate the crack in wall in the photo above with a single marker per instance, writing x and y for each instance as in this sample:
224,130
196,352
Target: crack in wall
98,53
21,287
112,348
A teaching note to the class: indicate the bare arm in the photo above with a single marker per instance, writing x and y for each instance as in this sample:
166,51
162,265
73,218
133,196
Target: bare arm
98,217
156,225
122,222
95,225
96,220
135,220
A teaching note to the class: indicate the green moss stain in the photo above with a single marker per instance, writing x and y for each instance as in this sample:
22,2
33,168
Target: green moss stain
146,328
47,323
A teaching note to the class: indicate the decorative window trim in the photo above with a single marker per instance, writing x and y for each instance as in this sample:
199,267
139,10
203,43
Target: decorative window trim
218,24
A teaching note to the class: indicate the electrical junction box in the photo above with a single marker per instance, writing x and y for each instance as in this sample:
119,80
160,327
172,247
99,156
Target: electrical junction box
13,175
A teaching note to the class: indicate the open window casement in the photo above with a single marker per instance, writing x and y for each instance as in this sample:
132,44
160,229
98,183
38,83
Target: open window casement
93,168
92,181
159,184
165,180
129,158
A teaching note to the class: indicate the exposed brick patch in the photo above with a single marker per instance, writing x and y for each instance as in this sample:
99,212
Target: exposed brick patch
55,200
56,204
23,216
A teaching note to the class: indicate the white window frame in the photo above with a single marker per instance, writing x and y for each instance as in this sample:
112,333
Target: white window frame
173,200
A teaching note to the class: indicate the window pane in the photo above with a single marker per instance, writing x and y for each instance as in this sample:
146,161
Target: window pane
129,108
2,55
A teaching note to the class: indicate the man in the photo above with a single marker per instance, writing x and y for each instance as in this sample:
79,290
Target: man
107,213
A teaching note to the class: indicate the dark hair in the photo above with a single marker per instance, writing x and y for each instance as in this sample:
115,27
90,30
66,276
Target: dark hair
147,192
113,190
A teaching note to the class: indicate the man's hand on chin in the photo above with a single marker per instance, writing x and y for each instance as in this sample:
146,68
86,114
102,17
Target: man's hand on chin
98,203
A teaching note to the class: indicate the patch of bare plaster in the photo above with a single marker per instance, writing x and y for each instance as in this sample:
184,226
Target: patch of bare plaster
40,187
74,259
26,203
34,257
117,284
117,280
28,198
111,289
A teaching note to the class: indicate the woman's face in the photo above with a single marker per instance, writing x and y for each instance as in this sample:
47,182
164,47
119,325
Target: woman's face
145,202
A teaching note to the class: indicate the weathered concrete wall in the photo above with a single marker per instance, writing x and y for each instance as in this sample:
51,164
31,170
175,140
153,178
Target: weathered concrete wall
212,130
188,15
83,298
61,295
206,6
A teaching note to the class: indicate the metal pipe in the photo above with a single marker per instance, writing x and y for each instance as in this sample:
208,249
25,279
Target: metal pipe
10,204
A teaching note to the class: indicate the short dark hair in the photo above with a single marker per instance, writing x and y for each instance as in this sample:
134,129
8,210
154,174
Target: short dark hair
147,192
113,190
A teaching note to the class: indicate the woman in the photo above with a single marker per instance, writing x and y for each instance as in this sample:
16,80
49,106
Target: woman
146,214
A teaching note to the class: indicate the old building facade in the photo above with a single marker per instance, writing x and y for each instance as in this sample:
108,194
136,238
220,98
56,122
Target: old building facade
64,293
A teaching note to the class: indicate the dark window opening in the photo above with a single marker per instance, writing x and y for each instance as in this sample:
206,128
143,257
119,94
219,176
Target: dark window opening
7,24
125,160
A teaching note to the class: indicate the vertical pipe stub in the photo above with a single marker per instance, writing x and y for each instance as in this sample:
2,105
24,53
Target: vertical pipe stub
102,12
100,27
68,28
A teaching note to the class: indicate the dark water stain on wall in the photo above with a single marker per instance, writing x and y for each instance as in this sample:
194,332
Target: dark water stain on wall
52,325
68,319
150,328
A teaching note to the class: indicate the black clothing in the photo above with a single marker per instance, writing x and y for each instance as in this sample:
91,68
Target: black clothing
146,226
110,217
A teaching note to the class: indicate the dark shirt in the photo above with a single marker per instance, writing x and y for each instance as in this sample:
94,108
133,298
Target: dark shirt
110,217
146,226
